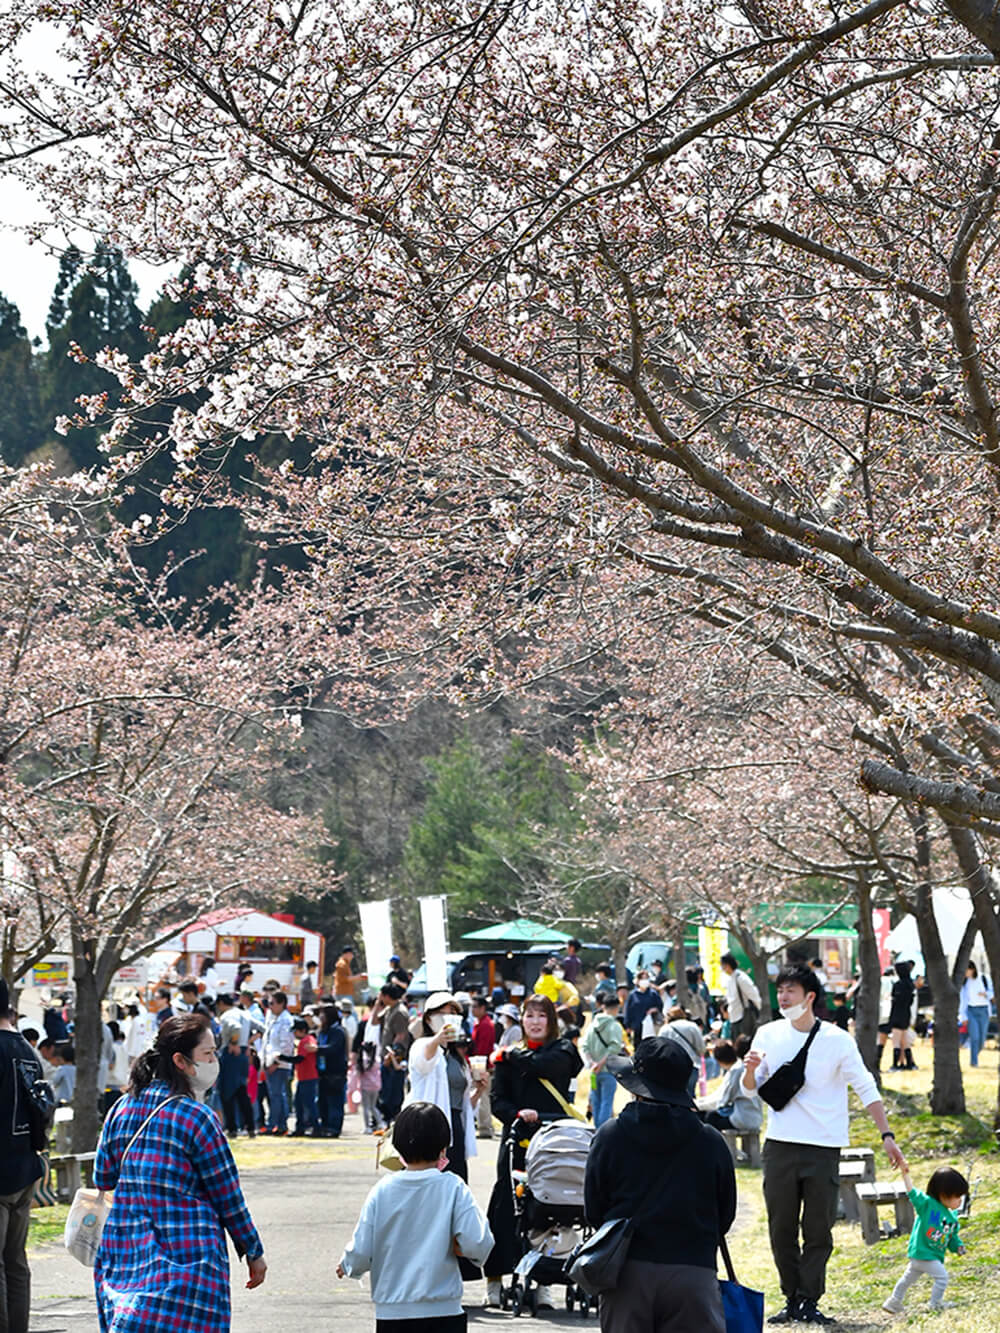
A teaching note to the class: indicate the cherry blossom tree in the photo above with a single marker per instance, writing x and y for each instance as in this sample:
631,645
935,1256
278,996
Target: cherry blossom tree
136,756
600,322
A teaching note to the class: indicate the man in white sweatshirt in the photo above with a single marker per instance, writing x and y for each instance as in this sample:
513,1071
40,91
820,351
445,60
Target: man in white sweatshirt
804,1139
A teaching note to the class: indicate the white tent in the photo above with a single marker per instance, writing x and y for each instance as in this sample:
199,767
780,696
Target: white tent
952,909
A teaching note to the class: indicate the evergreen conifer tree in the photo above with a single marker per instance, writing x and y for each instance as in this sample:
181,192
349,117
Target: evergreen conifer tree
93,307
21,429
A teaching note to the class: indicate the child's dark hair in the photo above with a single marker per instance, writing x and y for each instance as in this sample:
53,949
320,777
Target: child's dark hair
421,1132
946,1181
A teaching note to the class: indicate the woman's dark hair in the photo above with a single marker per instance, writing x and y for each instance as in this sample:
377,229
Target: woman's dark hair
329,1016
725,1053
946,1180
180,1034
114,1029
903,970
975,970
545,1005
421,1132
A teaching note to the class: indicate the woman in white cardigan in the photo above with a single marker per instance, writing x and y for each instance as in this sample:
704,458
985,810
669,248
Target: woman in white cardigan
440,1073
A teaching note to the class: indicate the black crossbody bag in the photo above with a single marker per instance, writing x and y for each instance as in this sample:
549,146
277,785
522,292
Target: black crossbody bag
787,1079
597,1263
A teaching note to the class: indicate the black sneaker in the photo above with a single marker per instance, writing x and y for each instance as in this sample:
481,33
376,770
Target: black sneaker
809,1313
789,1315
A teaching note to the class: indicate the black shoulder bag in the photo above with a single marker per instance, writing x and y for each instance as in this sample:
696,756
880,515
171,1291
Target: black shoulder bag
596,1264
787,1079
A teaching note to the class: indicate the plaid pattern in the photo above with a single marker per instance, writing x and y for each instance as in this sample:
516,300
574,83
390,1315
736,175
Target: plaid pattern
162,1266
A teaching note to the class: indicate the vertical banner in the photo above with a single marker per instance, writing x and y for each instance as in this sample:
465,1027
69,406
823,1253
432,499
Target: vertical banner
713,941
376,931
882,923
433,923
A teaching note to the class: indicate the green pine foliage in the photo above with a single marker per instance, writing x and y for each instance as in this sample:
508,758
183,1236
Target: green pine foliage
93,307
21,429
483,833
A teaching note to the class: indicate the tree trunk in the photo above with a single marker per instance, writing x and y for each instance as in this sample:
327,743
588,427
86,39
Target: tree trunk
982,888
758,962
680,966
619,952
87,1045
866,997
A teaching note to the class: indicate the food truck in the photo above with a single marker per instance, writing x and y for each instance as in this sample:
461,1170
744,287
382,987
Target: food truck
271,944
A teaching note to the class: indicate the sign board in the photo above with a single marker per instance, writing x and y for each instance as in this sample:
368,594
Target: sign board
135,975
713,941
52,972
882,922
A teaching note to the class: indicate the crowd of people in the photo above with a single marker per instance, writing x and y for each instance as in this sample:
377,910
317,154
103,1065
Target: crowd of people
199,1065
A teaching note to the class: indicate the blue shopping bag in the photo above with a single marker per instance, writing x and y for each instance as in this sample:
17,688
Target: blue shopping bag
743,1307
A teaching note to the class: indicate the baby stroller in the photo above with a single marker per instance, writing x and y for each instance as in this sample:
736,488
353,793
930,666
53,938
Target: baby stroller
548,1205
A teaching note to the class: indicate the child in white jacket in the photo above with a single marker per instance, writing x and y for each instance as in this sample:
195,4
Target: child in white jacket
412,1227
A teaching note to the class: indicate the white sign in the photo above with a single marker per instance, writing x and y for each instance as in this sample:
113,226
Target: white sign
432,923
376,931
133,976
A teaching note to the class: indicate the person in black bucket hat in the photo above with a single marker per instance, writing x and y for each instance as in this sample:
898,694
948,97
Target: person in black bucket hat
668,1283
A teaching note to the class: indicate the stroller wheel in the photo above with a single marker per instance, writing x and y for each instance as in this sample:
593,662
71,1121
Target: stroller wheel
584,1307
531,1300
517,1298
569,1298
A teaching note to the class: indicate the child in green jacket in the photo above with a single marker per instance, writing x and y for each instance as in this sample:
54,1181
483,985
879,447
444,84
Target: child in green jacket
935,1231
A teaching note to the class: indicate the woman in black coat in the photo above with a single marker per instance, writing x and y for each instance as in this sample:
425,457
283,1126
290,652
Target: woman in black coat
519,1095
659,1165
901,1017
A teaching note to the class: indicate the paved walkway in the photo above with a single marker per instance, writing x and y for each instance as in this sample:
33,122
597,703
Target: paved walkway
306,1214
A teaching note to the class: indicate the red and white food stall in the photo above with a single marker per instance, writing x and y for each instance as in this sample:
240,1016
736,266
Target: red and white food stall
272,945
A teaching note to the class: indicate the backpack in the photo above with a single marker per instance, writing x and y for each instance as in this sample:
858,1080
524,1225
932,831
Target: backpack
39,1103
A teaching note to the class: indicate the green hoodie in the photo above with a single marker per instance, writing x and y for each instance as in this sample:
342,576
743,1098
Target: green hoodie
605,1037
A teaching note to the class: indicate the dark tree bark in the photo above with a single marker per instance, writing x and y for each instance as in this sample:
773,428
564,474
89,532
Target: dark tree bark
982,19
87,1048
947,1096
866,997
680,969
758,961
982,889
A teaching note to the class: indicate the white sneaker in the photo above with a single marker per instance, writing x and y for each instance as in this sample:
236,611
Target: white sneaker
943,1305
893,1306
492,1301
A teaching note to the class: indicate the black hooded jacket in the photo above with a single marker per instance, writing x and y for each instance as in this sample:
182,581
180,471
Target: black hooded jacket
686,1164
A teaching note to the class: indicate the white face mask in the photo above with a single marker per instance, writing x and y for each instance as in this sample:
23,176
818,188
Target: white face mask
559,975
205,1076
797,1011
644,983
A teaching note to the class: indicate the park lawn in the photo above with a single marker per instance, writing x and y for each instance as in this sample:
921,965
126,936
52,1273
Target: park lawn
860,1277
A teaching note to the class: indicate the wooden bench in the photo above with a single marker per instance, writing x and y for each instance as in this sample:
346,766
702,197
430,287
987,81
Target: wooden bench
871,1195
852,1174
743,1140
859,1155
68,1173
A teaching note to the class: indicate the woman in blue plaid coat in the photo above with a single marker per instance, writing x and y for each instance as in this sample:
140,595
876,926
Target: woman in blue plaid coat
162,1266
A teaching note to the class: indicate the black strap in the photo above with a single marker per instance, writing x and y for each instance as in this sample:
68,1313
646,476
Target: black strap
809,1040
726,1259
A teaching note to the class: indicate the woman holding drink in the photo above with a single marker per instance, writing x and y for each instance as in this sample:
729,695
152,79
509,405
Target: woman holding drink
440,1073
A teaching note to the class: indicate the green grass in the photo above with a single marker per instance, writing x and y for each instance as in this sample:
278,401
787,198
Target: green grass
860,1277
47,1224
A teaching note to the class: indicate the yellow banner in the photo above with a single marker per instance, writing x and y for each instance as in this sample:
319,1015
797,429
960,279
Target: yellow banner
713,941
